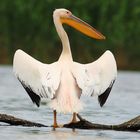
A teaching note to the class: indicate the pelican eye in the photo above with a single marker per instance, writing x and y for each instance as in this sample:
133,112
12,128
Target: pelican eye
67,12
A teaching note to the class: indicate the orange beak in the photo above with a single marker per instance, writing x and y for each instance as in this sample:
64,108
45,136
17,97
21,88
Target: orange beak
82,26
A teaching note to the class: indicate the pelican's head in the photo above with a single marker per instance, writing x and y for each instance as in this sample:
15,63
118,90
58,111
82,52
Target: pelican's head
68,18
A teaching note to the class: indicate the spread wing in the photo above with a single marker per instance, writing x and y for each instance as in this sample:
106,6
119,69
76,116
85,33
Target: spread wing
39,80
97,77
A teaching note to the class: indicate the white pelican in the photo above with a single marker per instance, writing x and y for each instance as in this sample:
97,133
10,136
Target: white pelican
65,80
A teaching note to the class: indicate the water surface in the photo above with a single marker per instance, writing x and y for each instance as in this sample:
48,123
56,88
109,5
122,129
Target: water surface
122,105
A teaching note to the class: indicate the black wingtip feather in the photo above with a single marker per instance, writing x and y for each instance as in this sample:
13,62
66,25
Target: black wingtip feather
103,97
34,97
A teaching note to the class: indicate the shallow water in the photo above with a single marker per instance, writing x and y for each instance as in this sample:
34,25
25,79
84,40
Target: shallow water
122,104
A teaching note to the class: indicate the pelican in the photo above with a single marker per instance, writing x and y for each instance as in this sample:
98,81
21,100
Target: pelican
64,81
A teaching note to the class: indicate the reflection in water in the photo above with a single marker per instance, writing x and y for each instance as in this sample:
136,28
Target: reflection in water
63,134
123,104
68,134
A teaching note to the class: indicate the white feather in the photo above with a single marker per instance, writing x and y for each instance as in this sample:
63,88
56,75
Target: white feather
96,77
43,79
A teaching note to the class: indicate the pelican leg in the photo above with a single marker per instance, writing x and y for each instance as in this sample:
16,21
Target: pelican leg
55,125
74,120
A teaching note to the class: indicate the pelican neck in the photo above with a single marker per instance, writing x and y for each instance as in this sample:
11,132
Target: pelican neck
66,51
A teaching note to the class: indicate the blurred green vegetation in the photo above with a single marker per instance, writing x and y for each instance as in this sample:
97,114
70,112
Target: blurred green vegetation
28,25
